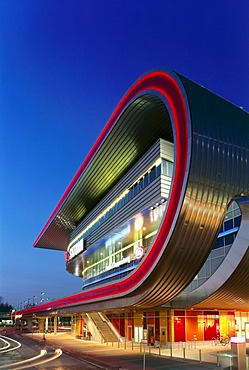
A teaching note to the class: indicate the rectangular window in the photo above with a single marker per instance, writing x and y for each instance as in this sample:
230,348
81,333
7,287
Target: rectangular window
229,239
167,168
170,169
237,221
146,179
219,243
152,174
158,170
135,189
228,225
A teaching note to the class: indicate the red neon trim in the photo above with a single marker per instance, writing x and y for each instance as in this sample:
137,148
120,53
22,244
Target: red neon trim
164,84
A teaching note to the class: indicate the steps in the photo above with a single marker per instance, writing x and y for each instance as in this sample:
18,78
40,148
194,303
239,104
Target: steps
104,327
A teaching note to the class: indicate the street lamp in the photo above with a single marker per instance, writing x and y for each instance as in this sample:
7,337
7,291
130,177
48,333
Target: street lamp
42,293
34,299
13,316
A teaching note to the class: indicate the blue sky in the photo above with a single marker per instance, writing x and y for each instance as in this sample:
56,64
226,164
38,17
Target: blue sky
64,66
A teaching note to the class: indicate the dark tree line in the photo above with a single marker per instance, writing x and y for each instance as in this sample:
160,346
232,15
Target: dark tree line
4,306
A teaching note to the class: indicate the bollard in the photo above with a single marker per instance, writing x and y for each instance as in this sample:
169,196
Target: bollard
238,350
149,348
132,344
183,350
159,349
125,344
144,359
171,354
218,360
140,346
199,355
118,343
112,343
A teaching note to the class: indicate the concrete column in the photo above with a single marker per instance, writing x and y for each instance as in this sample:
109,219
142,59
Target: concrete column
41,325
55,324
171,334
78,324
29,323
46,324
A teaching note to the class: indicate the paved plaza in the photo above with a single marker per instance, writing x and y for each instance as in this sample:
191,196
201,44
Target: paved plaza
126,356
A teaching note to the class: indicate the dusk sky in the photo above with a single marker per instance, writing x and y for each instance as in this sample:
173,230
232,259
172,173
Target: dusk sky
64,66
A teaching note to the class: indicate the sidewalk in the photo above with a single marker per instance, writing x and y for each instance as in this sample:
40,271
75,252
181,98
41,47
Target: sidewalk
125,356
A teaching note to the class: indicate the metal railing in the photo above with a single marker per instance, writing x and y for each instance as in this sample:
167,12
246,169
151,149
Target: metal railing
196,351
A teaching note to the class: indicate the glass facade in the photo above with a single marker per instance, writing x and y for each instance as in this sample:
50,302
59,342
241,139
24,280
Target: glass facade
122,248
116,254
161,166
119,252
222,246
169,326
116,239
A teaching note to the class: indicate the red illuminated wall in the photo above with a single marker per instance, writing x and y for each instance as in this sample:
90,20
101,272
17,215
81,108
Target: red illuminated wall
211,325
179,326
193,327
118,322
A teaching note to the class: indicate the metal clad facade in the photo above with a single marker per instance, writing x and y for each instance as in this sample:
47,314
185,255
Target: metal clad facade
211,169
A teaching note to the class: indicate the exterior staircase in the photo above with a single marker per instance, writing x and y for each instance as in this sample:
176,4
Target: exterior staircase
104,327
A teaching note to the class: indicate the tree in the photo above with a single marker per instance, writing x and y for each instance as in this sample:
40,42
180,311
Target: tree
4,306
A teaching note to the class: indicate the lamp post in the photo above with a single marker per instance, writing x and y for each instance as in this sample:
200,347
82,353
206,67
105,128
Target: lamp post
42,293
34,299
13,316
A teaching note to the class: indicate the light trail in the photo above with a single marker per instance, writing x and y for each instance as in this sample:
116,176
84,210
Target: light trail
28,363
7,339
41,354
57,353
6,346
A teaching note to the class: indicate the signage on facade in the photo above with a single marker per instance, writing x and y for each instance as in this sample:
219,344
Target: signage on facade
75,250
139,252
119,263
247,332
237,339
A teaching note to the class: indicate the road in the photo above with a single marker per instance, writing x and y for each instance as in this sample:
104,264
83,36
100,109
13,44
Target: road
86,355
19,352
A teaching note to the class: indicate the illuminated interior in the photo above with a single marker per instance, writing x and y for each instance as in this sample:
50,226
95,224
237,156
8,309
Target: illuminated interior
116,255
125,196
125,241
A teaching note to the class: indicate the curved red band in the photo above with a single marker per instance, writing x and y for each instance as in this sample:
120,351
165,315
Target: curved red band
169,90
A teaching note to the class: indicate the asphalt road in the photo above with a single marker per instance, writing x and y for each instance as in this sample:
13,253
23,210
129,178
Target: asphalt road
78,354
30,349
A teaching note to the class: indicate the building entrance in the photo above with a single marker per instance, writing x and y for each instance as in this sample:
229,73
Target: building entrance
151,335
138,334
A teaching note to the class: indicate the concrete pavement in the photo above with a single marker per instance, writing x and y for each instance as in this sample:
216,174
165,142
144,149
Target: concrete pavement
126,356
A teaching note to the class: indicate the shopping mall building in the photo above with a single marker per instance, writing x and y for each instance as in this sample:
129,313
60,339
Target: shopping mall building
156,220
